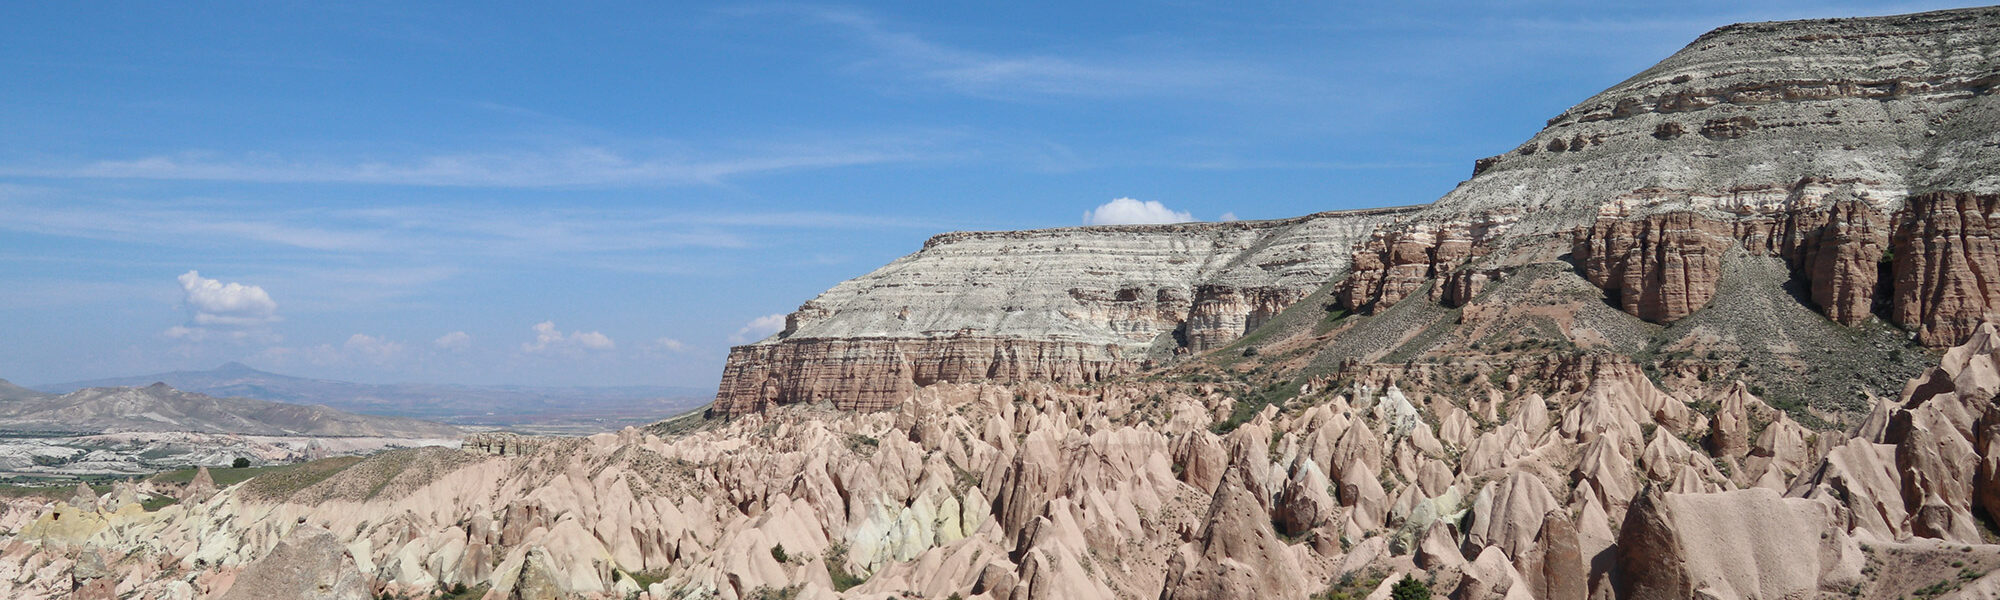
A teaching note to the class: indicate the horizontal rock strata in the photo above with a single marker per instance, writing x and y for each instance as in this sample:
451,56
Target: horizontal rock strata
1070,305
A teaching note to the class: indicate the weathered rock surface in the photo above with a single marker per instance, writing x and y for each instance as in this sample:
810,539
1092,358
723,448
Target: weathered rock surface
309,564
1947,265
1072,305
1660,267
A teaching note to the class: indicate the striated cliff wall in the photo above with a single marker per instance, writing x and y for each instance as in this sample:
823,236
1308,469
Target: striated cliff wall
1862,152
1073,305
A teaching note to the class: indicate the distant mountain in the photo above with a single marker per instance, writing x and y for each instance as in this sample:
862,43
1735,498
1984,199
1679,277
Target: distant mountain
158,407
488,405
10,392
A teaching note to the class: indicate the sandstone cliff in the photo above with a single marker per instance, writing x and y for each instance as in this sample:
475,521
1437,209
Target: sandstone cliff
1070,305
1855,153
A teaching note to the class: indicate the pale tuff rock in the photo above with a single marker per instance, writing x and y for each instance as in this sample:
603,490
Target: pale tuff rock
1237,555
199,489
1742,544
310,564
1070,305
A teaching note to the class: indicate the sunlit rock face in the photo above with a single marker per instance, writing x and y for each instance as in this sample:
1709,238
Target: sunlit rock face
1857,151
1072,305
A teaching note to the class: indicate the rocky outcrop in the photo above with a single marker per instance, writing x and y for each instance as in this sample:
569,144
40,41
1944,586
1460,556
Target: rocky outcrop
1658,267
309,564
1743,544
1940,284
1400,258
1649,185
1947,265
1845,266
873,374
1238,555
1069,305
1220,314
200,488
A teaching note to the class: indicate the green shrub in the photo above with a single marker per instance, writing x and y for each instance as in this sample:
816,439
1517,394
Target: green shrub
1410,588
778,554
241,463
836,569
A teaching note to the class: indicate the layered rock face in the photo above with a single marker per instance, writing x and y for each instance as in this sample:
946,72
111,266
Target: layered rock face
1947,266
1071,305
1813,141
1840,146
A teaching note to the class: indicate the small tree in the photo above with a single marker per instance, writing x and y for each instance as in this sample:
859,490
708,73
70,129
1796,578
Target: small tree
778,553
241,463
1410,588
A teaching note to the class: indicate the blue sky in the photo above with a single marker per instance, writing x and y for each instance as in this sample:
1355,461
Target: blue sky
616,193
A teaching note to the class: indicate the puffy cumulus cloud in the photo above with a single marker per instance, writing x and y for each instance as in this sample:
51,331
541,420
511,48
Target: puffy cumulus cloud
549,340
229,311
1126,211
1226,217
670,345
453,342
227,304
759,328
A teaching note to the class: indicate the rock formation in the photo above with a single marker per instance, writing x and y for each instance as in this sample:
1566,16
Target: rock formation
1685,343
1073,305
309,564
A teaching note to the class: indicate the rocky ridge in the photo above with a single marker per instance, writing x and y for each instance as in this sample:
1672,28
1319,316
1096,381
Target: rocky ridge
1856,153
158,408
1070,305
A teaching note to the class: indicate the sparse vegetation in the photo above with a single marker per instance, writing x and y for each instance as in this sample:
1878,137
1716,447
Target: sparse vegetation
766,593
778,554
155,503
1352,586
862,444
459,591
836,569
1410,588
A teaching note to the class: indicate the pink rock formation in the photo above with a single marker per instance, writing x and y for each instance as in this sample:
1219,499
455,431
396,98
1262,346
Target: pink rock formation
1658,267
1947,266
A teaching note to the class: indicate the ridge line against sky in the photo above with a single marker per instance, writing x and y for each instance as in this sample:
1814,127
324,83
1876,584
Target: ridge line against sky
498,195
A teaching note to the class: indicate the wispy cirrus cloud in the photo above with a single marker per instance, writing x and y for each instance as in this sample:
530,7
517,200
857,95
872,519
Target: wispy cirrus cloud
397,229
1030,74
573,167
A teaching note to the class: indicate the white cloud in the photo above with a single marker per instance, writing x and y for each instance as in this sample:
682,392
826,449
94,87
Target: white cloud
549,340
670,345
1126,211
453,342
1227,217
372,349
759,328
229,304
218,310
